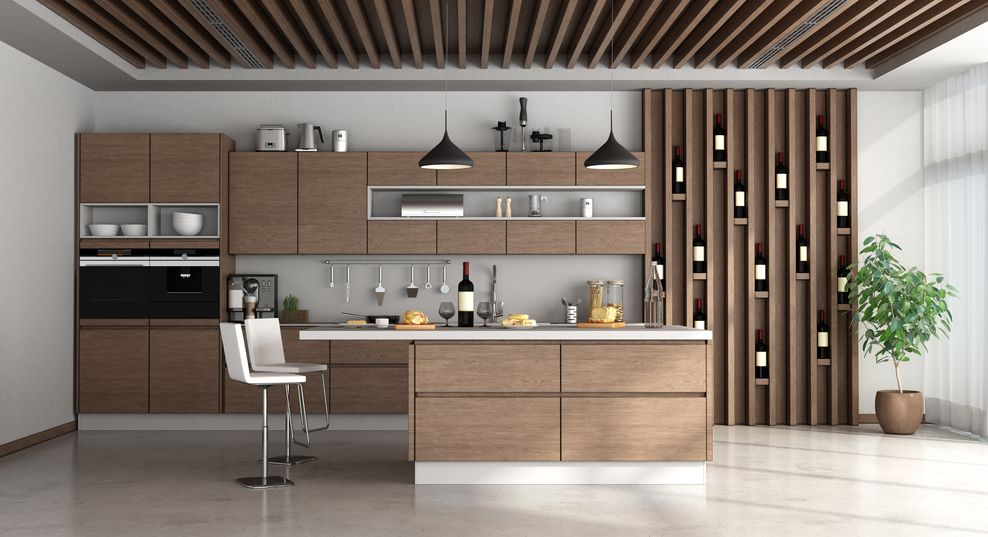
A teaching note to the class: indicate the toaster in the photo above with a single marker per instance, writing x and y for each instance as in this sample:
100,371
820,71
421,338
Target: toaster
270,138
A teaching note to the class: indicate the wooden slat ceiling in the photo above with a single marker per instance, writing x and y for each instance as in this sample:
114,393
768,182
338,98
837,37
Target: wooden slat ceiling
561,34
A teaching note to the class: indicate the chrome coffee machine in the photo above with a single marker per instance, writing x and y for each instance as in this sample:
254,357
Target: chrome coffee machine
249,294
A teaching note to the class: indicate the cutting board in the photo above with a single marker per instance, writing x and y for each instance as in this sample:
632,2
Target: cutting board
600,325
401,326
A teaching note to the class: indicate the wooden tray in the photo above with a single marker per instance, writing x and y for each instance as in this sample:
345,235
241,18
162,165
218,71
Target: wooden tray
600,325
402,326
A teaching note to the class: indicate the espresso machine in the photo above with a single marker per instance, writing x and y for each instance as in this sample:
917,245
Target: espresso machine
252,294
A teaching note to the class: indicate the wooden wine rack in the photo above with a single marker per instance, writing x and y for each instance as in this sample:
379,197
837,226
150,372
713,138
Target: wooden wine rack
801,389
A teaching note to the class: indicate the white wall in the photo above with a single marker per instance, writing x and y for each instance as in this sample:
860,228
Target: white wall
41,111
890,201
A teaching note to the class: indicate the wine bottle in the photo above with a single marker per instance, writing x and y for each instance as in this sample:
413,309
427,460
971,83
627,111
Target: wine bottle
678,171
465,298
843,217
802,251
761,272
781,179
822,337
720,141
822,152
761,356
843,271
699,257
699,318
740,209
660,263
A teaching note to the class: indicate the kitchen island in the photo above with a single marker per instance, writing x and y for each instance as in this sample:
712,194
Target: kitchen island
554,404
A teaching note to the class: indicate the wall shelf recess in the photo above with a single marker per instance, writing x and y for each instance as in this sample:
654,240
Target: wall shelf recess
156,216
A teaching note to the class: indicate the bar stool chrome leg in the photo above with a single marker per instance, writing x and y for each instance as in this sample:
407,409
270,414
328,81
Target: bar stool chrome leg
265,481
325,402
288,459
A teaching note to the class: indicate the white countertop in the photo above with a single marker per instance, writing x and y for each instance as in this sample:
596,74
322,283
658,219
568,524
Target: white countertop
632,332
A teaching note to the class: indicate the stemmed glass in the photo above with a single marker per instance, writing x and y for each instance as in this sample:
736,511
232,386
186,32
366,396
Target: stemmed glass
484,311
446,311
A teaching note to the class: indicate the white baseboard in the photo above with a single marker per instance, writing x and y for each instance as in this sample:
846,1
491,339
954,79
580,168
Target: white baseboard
234,422
560,473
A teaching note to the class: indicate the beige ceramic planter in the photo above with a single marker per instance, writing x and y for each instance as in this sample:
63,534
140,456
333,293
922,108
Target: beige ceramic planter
899,413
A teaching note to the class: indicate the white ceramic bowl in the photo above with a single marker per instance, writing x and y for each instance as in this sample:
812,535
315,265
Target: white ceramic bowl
134,230
187,228
104,230
186,217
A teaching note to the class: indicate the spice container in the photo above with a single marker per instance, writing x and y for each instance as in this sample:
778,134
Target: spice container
615,298
596,288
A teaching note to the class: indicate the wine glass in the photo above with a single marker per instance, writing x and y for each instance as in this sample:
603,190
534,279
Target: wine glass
446,311
484,311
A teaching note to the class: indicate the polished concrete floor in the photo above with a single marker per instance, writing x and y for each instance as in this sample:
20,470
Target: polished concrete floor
840,481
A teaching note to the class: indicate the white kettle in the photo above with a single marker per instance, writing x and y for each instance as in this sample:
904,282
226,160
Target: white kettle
307,137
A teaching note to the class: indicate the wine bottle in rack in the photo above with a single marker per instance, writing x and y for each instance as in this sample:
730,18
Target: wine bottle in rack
660,263
740,209
720,140
678,171
822,336
843,217
781,179
465,298
761,269
822,151
761,355
699,318
843,271
802,251
699,251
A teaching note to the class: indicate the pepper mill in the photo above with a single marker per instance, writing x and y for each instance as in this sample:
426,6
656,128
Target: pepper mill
507,209
497,211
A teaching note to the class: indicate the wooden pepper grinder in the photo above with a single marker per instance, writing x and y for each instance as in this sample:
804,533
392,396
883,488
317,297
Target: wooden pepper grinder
497,211
507,209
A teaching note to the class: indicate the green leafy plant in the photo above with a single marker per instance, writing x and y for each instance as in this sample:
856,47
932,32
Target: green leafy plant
899,309
290,303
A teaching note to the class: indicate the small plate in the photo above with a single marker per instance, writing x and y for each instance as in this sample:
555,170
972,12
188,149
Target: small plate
519,326
344,325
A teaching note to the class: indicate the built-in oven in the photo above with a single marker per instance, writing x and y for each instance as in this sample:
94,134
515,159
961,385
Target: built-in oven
184,284
113,283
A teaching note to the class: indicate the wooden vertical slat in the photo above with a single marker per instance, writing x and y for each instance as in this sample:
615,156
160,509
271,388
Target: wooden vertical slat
750,136
810,311
667,144
834,124
791,148
852,186
713,219
730,309
773,386
694,155
775,248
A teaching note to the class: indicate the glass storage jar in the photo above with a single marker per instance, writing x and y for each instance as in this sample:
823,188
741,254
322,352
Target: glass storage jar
596,288
615,298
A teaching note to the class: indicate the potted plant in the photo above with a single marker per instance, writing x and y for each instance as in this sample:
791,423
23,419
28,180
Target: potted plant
290,313
899,310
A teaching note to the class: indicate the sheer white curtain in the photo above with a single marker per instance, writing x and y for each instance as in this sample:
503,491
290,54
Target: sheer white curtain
955,119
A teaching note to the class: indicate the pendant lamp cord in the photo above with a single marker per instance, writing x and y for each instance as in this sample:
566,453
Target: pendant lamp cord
446,60
612,66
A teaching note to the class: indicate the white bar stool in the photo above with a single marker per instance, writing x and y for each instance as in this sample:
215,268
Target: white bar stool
267,354
236,364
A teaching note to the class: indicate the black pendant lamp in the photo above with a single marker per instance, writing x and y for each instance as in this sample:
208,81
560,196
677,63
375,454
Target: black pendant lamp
446,156
612,155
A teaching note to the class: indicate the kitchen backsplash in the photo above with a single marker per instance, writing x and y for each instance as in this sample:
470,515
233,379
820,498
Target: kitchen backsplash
526,283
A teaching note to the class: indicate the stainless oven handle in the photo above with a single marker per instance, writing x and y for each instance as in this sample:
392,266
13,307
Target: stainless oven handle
114,264
183,263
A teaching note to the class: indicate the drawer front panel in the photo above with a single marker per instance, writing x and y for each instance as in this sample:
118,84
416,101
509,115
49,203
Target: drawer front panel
370,352
634,368
368,390
486,368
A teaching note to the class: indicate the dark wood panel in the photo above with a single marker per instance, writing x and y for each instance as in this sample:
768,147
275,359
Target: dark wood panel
263,203
185,168
398,168
184,370
332,203
546,237
114,168
308,352
368,390
471,237
489,169
541,169
486,368
370,352
113,370
401,237
610,237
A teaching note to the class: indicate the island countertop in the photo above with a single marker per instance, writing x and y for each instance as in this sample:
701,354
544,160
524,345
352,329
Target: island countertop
555,332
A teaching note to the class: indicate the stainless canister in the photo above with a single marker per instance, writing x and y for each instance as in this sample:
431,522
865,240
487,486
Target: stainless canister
339,141
586,207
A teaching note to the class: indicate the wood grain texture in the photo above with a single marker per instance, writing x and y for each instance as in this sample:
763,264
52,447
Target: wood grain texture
113,370
548,237
114,168
184,371
489,169
411,402
263,203
37,438
610,237
471,237
370,352
332,203
398,168
486,368
541,169
185,168
309,351
633,368
400,237
587,176
368,390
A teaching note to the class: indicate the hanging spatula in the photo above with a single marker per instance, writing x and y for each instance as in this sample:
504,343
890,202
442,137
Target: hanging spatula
412,291
379,290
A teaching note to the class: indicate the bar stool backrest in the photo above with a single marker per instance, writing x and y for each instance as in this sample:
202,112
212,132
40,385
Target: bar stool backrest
232,335
264,342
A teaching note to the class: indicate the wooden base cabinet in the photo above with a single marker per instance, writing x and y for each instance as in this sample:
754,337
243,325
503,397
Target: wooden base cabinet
113,370
184,370
368,390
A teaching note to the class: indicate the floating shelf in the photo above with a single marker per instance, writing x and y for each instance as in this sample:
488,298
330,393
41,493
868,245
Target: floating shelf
843,231
823,165
761,382
823,363
802,275
779,204
761,294
720,165
156,216
679,197
699,275
740,221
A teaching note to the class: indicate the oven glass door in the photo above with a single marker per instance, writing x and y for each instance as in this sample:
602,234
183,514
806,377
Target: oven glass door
113,292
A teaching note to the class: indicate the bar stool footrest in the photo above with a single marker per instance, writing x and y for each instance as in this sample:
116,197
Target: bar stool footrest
270,482
291,460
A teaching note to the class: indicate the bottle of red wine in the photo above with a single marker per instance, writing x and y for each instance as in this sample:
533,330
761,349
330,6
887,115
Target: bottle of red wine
761,355
843,217
720,141
699,251
660,263
465,298
843,271
802,251
822,337
761,269
678,171
740,209
699,318
781,179
822,152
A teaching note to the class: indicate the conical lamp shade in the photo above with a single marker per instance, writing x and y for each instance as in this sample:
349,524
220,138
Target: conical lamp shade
611,156
446,156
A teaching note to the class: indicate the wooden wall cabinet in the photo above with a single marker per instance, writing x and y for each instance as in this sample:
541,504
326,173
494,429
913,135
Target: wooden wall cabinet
471,237
332,203
113,370
610,237
185,168
630,177
401,237
398,169
489,169
113,168
541,169
263,203
184,370
545,237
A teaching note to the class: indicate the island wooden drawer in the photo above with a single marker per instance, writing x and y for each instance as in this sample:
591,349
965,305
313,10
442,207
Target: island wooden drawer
368,390
487,429
486,368
634,368
369,352
634,429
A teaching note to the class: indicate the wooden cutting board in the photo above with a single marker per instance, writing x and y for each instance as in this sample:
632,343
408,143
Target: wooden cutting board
600,325
402,326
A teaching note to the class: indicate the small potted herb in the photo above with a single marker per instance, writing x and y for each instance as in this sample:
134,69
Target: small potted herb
290,314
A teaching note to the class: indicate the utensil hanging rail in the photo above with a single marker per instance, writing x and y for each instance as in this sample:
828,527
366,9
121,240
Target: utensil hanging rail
390,262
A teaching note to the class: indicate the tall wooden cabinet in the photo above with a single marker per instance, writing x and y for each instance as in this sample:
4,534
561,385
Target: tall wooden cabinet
185,168
184,370
332,203
263,203
114,168
113,370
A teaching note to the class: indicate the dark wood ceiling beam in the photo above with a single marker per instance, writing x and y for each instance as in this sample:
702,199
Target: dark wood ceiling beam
642,17
144,32
909,24
886,28
436,15
121,33
959,22
284,21
582,35
888,9
800,14
356,10
188,24
704,30
169,31
668,14
485,43
759,28
840,19
388,29
412,27
559,33
268,33
90,28
234,21
536,32
310,23
727,32
509,37
339,31
687,22
461,33
605,39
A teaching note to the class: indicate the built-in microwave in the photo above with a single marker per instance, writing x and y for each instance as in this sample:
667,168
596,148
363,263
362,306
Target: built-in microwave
184,284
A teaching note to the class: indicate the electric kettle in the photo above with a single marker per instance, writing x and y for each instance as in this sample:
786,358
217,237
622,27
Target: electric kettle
307,137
